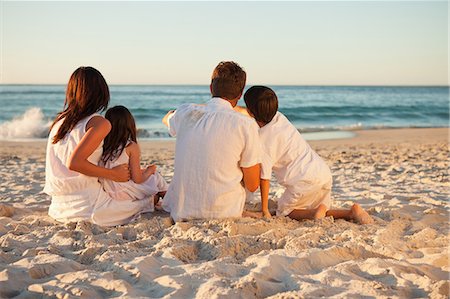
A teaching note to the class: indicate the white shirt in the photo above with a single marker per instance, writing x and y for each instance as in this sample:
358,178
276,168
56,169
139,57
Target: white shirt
213,143
73,194
295,165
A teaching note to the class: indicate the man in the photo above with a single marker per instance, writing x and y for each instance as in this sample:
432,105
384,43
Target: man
217,152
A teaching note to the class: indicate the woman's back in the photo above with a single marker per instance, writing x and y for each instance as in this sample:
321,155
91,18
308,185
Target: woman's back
73,194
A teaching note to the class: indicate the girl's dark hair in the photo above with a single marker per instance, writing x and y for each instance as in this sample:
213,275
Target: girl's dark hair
123,129
262,102
86,94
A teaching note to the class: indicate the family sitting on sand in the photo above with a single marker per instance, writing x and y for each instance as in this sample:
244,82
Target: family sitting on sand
93,167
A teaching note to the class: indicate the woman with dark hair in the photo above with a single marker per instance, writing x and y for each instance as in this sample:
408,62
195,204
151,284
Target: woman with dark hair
74,150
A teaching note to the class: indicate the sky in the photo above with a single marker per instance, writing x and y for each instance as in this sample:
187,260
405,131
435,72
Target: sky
286,43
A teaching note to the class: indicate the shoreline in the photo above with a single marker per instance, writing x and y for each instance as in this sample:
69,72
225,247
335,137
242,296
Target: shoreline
402,135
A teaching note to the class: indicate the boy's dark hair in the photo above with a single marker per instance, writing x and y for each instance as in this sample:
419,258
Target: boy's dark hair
228,80
123,129
262,102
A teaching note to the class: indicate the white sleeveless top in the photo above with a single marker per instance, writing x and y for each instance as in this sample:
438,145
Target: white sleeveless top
131,190
73,194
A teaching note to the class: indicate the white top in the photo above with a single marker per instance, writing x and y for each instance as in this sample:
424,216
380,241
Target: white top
130,190
295,165
213,142
73,194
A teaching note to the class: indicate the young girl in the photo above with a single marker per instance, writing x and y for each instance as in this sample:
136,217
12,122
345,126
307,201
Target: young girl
74,150
304,174
121,147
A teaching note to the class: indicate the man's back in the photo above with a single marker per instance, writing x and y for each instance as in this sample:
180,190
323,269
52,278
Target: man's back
213,143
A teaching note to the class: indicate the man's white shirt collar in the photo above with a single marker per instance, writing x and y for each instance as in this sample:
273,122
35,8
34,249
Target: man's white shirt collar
216,101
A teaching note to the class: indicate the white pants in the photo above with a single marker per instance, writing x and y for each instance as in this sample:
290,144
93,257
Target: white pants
311,198
110,212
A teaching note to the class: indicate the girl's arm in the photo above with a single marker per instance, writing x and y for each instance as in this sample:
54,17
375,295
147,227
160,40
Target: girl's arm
264,186
96,130
138,175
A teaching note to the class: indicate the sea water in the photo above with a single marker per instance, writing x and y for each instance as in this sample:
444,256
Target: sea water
319,112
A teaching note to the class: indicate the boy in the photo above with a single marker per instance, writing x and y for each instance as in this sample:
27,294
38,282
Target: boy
303,173
216,148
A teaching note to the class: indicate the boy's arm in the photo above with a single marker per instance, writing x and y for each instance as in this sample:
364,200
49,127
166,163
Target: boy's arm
251,177
265,186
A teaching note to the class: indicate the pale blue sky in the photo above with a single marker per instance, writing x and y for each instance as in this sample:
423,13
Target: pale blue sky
304,43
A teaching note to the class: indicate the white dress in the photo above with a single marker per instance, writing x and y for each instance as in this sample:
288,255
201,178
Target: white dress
131,190
76,196
296,166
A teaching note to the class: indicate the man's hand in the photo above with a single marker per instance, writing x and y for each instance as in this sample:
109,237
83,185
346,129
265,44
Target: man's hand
165,119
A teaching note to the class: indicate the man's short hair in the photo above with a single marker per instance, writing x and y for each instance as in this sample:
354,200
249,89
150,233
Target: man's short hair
262,102
228,80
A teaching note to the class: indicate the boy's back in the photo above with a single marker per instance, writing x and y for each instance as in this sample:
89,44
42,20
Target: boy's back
295,165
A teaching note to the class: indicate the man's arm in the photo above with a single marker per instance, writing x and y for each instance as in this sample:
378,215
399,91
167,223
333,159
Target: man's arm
251,177
165,119
241,110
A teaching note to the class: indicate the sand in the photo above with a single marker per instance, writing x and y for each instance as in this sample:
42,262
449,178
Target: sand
400,176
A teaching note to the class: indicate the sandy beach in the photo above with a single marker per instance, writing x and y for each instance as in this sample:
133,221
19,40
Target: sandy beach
400,176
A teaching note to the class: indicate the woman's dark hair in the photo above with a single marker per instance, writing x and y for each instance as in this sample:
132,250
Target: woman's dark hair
228,80
86,94
262,102
123,129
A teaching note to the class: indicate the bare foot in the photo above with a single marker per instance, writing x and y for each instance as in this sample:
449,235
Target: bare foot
157,202
251,214
359,215
320,211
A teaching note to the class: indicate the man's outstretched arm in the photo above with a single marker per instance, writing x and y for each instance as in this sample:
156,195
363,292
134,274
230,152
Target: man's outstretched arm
165,119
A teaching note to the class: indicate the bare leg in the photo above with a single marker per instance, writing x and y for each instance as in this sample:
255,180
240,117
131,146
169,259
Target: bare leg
312,214
356,213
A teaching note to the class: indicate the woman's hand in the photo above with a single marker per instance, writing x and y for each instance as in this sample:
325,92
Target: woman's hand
120,173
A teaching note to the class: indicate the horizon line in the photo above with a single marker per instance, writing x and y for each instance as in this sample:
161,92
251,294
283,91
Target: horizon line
267,84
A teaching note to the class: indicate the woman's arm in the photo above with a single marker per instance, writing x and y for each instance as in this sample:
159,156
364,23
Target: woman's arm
96,130
264,186
138,175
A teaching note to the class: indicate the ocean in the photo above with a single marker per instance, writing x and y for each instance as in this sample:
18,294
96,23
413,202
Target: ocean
319,112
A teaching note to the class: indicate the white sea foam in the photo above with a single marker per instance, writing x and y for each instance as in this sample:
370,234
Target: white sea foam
31,124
